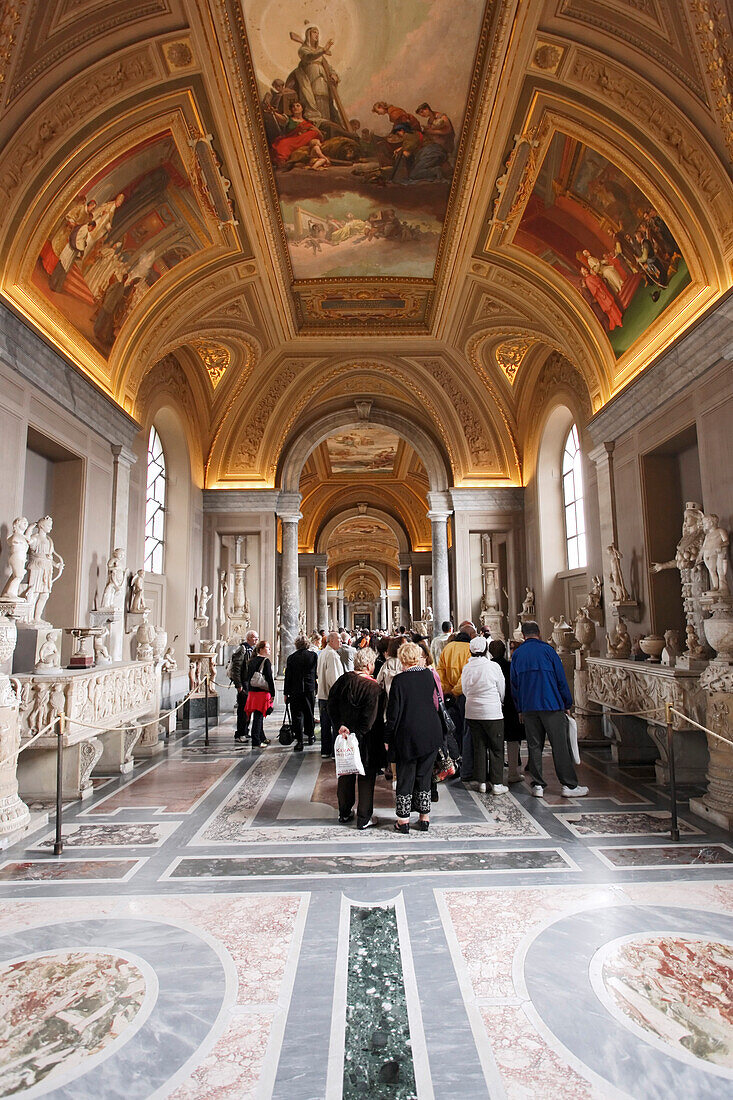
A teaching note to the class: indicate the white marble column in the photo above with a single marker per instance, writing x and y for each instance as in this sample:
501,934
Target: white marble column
289,586
322,597
340,612
405,617
384,622
441,586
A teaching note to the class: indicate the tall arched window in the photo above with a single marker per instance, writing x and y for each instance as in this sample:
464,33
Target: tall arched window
572,489
155,505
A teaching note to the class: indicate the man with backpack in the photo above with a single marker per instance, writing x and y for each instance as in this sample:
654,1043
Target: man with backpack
237,668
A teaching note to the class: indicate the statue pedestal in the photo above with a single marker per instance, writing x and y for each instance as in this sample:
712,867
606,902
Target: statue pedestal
15,817
716,804
31,638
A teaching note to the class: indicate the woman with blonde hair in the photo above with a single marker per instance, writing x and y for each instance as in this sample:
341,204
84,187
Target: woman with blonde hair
414,731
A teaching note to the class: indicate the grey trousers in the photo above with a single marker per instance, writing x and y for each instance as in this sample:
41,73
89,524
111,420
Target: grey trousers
552,724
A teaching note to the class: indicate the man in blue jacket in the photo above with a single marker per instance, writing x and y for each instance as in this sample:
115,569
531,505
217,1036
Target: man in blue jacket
541,693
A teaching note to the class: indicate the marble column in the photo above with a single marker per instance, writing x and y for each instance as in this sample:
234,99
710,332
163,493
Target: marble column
405,617
340,612
289,586
384,621
441,586
322,597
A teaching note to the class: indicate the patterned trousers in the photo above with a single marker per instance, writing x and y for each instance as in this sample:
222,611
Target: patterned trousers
413,784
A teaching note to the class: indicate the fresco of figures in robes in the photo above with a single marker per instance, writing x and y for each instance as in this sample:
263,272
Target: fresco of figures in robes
363,105
127,226
588,220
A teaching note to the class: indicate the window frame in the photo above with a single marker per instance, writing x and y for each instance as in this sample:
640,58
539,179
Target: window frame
156,495
573,500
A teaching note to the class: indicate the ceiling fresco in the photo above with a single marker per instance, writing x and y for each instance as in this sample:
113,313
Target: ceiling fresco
589,221
363,450
363,104
127,226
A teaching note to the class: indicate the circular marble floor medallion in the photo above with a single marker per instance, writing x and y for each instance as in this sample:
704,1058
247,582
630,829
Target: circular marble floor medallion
62,1010
677,989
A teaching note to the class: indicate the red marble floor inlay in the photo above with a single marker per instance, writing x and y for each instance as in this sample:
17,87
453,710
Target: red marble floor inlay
325,789
175,786
48,870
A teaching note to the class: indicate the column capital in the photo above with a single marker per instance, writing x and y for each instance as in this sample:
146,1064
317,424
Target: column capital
439,516
321,562
121,453
288,507
440,502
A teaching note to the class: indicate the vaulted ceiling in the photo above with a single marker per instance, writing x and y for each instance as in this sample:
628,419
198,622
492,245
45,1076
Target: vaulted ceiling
559,213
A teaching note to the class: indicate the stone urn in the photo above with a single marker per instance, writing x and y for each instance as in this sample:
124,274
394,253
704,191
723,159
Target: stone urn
585,629
719,633
160,642
144,636
652,645
563,637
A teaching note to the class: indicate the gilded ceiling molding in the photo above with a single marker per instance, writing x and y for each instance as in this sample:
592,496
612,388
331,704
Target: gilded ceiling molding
9,20
510,356
60,114
215,358
268,436
475,358
328,501
668,127
168,381
554,382
714,39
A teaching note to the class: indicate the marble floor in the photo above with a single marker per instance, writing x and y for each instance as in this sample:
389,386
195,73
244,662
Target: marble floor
211,931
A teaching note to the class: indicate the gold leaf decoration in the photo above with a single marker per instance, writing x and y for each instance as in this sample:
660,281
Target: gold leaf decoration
510,355
215,357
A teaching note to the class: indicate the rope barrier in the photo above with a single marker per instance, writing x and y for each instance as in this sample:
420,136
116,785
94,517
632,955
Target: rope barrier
619,713
681,714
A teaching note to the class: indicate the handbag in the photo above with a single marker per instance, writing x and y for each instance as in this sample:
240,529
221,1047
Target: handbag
257,680
444,767
445,719
286,735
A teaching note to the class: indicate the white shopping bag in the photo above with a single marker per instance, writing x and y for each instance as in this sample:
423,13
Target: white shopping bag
347,755
573,738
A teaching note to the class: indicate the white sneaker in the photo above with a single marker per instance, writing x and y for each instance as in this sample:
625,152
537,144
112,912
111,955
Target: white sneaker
481,788
394,784
538,791
574,792
499,788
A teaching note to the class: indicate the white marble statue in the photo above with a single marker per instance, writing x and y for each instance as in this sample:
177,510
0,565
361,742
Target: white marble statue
428,615
203,602
619,591
101,653
17,547
688,548
115,579
618,642
48,654
169,663
528,602
714,552
45,567
596,591
137,593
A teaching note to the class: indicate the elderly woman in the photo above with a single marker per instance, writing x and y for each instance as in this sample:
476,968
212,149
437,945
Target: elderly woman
356,705
414,730
482,682
261,695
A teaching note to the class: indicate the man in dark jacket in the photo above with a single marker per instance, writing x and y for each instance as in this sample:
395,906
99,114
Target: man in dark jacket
300,690
543,699
239,661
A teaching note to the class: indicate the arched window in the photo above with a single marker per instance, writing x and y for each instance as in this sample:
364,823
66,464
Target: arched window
155,505
572,489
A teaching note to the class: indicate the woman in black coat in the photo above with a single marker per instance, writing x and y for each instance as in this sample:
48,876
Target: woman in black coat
260,699
513,728
414,730
356,705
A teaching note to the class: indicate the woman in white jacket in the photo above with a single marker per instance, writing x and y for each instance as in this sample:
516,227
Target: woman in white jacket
482,683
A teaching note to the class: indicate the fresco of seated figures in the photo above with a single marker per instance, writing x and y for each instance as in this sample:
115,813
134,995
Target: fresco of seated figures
362,109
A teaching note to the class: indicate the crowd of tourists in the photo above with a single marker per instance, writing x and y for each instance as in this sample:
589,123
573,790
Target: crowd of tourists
420,711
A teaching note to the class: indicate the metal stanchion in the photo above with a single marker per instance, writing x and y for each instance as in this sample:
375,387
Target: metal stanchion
206,706
58,846
674,831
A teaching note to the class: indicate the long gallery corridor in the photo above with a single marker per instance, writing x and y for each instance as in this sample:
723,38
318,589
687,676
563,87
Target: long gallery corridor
518,947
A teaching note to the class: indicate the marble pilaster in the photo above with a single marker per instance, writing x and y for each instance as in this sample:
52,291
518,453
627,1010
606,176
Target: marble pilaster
289,514
322,597
405,616
340,621
438,517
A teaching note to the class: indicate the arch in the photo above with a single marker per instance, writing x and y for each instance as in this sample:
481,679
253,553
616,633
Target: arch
294,455
368,569
335,522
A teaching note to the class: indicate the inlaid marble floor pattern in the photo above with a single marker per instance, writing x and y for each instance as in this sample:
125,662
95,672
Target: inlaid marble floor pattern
211,931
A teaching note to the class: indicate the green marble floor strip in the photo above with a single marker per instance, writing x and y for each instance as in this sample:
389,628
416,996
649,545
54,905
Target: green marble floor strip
378,1044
